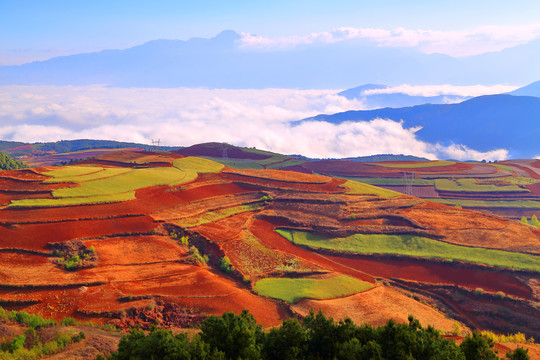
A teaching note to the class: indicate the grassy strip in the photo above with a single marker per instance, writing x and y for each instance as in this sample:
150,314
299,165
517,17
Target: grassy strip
415,165
291,162
410,245
200,165
526,204
502,167
517,180
133,180
271,160
212,216
72,171
100,174
390,181
292,290
358,188
74,200
470,185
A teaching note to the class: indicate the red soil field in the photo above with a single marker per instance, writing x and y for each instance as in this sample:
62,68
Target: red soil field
26,174
225,229
37,236
208,191
12,185
331,186
135,250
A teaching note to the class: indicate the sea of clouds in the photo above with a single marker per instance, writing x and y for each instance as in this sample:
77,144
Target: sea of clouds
186,116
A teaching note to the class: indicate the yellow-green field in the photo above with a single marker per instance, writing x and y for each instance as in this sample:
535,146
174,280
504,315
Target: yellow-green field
292,290
358,188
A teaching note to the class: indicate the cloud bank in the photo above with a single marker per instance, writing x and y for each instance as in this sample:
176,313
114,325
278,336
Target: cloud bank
260,118
445,89
454,43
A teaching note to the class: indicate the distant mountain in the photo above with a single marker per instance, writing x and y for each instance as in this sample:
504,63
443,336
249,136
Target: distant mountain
221,62
382,100
482,123
387,157
529,90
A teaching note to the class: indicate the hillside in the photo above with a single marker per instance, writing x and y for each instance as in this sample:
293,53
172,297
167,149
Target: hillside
144,238
482,123
8,163
529,90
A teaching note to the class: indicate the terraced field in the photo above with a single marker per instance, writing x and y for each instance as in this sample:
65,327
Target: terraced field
125,236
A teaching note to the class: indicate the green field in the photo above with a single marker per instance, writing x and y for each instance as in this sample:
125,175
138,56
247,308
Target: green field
73,200
390,181
133,180
198,164
410,245
470,185
69,171
358,188
212,216
100,173
417,165
517,180
292,290
290,162
527,204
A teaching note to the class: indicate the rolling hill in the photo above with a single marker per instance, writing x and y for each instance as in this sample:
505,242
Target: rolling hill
136,237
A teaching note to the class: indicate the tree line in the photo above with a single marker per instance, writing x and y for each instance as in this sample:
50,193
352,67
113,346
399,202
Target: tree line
316,337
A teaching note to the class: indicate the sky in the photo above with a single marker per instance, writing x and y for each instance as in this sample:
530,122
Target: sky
35,29
32,30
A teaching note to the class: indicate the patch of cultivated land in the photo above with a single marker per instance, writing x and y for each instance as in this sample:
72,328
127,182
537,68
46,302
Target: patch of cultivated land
192,235
410,245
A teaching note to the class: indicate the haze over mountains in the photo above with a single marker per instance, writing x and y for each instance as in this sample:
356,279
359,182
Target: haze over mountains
511,122
225,62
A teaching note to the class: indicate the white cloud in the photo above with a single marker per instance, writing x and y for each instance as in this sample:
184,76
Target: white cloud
455,43
537,157
260,118
445,89
461,152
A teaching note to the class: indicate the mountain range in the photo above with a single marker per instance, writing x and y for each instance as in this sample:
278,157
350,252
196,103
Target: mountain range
223,62
481,123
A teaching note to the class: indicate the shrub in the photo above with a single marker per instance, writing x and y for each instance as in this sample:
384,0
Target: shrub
194,252
225,265
184,240
17,343
68,321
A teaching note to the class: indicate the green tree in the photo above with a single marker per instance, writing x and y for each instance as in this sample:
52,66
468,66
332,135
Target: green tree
237,336
518,354
478,347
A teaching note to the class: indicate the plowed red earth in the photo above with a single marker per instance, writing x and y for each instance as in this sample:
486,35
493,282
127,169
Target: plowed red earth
37,236
208,191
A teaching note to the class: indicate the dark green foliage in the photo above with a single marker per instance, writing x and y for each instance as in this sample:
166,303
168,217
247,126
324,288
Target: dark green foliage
315,338
478,347
518,354
9,163
17,343
68,321
237,336
162,344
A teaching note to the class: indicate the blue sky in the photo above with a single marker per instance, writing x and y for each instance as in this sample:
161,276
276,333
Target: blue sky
37,29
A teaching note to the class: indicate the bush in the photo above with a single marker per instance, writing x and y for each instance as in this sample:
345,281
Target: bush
225,265
68,321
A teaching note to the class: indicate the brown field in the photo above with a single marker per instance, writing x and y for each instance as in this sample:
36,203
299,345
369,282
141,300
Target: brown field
142,256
